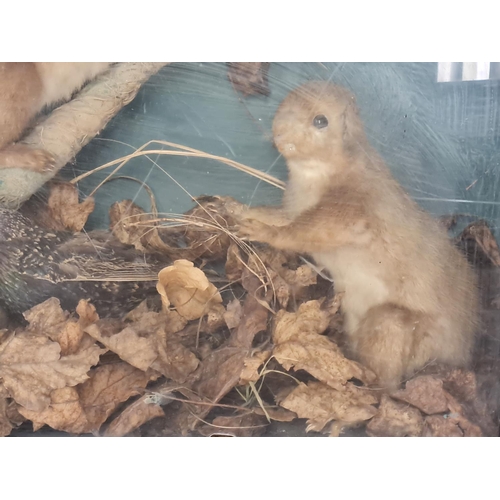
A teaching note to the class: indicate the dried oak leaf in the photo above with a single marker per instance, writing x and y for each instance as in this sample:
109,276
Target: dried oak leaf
132,226
174,361
145,321
207,239
277,270
321,404
108,386
249,78
188,289
138,351
32,367
135,415
233,313
475,397
46,319
454,423
276,413
301,277
254,320
430,395
158,350
214,319
70,337
234,263
482,235
5,423
87,313
250,372
64,412
221,369
246,425
441,426
49,320
456,415
298,344
426,393
65,208
83,409
461,384
395,419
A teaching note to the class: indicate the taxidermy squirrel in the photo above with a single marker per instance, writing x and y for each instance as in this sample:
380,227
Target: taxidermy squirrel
410,297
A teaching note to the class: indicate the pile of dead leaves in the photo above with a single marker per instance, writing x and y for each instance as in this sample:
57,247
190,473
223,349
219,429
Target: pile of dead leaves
229,360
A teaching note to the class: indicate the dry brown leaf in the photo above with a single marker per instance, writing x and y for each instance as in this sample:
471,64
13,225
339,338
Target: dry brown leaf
426,393
214,319
83,409
175,361
13,414
87,313
5,423
234,263
254,320
32,367
452,424
301,277
250,372
246,425
65,208
188,289
135,415
276,413
125,223
64,412
457,414
138,351
321,404
298,344
441,426
132,226
232,316
136,314
395,419
49,320
221,369
461,384
46,319
249,78
108,386
281,289
70,337
220,372
482,235
158,350
209,241
145,321
287,282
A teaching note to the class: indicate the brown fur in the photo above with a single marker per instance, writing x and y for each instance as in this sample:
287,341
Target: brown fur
25,89
410,297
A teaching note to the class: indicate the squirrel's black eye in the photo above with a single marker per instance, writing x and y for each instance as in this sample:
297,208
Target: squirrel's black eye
320,121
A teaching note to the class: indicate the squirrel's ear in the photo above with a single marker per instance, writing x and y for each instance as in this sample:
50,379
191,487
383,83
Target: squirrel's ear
353,131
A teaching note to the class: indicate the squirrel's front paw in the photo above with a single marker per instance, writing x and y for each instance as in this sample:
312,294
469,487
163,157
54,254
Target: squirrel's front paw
254,230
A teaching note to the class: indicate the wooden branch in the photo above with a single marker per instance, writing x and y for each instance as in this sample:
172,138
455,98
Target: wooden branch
73,125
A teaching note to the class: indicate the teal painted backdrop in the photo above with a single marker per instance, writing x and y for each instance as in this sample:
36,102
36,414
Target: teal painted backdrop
441,140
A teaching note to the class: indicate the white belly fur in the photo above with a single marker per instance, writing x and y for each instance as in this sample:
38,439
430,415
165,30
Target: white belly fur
359,278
